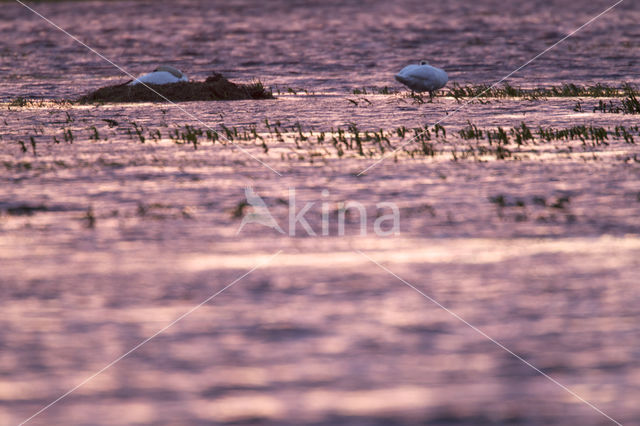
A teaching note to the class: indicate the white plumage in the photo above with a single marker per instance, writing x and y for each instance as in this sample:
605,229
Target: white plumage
423,77
164,74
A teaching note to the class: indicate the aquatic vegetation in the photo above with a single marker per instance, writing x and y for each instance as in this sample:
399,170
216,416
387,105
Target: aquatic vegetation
621,131
628,105
470,132
597,135
68,135
138,131
294,141
385,90
291,90
416,97
90,218
22,102
24,209
110,122
565,90
19,102
94,134
190,135
427,141
522,134
33,145
542,209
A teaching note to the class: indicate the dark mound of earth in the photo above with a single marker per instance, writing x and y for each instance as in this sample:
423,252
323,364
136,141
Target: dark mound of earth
214,88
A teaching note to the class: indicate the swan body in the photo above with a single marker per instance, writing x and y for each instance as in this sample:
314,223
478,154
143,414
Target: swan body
422,77
164,74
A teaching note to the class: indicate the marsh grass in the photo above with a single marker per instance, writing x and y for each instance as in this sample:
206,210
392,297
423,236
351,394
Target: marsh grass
21,102
567,90
90,218
294,141
287,90
385,90
539,208
628,105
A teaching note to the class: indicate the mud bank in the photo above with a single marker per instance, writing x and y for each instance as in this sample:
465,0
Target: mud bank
215,88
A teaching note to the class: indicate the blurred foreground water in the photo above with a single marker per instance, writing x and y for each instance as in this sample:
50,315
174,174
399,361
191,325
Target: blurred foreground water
105,240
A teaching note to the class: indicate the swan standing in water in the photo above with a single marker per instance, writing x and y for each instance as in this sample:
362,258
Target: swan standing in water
422,78
164,74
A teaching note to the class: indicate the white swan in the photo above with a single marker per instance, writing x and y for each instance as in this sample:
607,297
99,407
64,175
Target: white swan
164,74
423,77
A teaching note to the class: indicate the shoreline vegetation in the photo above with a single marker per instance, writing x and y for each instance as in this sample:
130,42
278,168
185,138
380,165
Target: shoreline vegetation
466,142
470,142
566,90
217,88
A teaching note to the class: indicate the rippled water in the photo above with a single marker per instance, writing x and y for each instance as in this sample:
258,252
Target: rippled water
104,242
324,46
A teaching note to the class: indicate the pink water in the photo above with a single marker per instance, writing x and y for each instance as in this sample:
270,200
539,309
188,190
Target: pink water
319,335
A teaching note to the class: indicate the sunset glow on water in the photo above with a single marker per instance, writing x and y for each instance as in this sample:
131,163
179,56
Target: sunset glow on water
347,253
